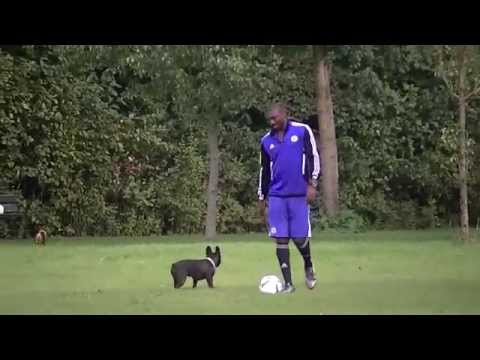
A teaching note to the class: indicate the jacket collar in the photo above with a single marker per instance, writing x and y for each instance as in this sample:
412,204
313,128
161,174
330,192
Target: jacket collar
289,119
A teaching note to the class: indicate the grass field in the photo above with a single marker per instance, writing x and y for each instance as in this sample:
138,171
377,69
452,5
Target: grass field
425,272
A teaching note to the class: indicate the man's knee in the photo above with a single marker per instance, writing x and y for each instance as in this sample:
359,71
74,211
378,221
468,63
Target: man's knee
301,243
282,243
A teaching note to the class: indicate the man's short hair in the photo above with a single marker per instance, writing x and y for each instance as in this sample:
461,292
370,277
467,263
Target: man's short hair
279,106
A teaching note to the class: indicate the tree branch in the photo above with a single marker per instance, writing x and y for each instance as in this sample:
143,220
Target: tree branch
449,86
450,89
474,93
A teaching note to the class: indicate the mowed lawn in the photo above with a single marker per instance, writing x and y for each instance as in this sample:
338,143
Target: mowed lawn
406,272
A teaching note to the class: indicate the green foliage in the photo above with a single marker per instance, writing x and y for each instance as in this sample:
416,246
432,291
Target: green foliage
385,213
448,59
116,135
392,118
63,124
346,220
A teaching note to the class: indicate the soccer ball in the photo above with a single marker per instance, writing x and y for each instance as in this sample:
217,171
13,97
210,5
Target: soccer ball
270,284
2,209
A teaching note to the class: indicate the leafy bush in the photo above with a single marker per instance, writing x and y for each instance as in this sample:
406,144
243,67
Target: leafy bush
346,220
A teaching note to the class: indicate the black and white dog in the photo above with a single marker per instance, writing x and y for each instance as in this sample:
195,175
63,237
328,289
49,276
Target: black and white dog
196,269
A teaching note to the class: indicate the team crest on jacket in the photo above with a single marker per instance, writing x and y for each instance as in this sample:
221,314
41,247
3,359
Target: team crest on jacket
294,138
271,146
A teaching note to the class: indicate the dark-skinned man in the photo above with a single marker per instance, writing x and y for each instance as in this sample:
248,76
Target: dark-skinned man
289,171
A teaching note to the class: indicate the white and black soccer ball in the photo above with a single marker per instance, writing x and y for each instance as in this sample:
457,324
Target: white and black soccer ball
270,284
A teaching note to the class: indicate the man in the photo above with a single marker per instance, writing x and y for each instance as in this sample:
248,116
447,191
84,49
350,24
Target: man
290,167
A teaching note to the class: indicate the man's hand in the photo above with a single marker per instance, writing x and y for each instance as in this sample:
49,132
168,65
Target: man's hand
262,207
311,194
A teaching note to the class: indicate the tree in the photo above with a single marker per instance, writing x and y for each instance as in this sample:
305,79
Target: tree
117,139
327,134
316,60
391,113
218,82
459,67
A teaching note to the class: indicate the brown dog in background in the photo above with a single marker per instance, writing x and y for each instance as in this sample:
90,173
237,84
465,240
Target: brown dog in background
40,237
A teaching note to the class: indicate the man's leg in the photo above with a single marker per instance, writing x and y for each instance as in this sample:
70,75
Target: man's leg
303,246
300,232
278,230
283,256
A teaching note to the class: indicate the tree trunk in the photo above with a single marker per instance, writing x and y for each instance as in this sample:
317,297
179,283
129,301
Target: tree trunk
212,192
327,137
462,141
462,173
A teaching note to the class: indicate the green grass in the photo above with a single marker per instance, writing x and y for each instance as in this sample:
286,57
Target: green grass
425,272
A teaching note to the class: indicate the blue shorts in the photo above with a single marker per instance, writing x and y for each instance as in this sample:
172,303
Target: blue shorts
289,217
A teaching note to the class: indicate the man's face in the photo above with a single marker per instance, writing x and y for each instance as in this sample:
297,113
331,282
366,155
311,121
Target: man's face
277,119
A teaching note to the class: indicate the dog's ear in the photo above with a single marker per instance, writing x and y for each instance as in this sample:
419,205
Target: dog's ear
218,256
209,250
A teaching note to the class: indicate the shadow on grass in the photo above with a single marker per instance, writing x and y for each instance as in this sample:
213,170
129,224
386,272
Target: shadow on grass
448,235
141,240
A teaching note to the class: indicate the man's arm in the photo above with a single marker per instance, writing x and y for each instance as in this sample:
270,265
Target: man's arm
264,183
313,169
312,164
265,176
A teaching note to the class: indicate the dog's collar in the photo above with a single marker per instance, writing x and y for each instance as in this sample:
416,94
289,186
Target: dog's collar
212,262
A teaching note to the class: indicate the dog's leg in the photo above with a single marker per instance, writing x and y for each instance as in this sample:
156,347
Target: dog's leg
43,237
195,283
210,281
178,283
173,272
179,278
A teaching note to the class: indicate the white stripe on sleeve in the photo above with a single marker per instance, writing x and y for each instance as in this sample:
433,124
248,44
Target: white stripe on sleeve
316,157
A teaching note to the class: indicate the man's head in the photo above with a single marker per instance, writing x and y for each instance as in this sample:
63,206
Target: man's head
277,116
